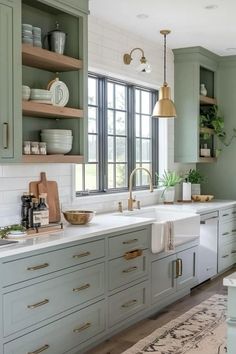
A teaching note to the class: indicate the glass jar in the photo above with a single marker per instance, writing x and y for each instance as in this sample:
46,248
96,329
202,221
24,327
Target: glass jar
26,148
34,148
43,148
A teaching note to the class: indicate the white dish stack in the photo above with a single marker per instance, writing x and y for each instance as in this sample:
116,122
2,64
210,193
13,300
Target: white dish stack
41,96
31,35
59,141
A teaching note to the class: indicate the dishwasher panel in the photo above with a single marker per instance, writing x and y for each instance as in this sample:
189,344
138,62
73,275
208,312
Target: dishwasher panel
207,265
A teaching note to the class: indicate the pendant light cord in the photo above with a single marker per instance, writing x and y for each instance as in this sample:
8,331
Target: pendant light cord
164,59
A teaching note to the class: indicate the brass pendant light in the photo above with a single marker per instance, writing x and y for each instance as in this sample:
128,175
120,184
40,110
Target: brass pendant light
164,108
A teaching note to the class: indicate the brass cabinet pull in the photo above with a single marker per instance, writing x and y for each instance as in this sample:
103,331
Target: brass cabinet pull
130,241
5,135
80,255
40,350
225,256
179,267
82,328
38,304
225,233
83,287
234,230
234,251
40,266
129,303
128,270
225,215
233,212
133,254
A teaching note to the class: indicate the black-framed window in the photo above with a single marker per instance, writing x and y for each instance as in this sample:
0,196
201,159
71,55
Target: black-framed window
121,136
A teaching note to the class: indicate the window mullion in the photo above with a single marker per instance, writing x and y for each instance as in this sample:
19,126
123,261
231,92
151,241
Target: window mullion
155,140
131,128
102,134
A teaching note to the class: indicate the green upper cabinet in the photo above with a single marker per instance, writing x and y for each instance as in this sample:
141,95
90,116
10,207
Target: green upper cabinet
193,66
10,82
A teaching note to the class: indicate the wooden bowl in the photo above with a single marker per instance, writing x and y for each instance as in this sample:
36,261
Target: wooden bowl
78,217
202,197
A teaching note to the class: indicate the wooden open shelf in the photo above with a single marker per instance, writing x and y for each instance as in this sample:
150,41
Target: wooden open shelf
207,100
207,159
207,131
52,159
34,109
47,60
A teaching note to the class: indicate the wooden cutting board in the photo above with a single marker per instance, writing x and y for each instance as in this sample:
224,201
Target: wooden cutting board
49,187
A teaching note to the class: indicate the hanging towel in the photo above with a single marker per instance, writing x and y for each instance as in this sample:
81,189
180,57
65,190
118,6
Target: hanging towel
158,236
169,236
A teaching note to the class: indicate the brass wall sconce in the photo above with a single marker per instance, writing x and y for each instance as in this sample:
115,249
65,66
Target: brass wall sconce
144,66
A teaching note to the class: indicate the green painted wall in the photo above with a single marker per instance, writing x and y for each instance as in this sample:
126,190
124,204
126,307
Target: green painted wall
222,174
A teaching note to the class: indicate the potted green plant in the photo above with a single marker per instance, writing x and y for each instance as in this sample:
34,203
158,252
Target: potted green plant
195,178
168,180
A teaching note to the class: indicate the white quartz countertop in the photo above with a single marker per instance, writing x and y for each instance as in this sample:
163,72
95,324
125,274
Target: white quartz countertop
100,225
230,280
198,207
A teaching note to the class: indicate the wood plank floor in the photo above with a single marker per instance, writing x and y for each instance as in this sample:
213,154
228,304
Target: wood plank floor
125,339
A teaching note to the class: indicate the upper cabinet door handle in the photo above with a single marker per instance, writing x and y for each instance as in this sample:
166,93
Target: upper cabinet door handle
5,135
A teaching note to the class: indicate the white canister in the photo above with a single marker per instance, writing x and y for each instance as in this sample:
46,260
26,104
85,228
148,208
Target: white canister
203,90
186,191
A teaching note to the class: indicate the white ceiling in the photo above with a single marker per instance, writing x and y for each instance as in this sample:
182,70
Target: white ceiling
190,23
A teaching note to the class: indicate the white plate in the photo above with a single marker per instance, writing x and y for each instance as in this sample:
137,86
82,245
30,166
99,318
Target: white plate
60,92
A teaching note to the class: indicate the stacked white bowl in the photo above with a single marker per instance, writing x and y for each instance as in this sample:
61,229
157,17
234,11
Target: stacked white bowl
27,33
59,141
37,37
41,96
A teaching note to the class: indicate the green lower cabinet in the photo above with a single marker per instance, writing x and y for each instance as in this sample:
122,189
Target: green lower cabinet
10,83
173,273
62,335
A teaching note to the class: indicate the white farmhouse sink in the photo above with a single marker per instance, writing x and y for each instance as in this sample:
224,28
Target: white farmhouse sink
186,225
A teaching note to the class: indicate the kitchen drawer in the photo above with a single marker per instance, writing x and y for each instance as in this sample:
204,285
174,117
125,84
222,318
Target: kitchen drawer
227,232
227,214
25,307
34,266
225,257
118,245
61,335
127,303
122,271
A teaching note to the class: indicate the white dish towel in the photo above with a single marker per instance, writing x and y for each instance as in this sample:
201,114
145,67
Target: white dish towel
163,236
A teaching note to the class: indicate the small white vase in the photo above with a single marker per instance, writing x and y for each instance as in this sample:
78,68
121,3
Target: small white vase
203,90
169,195
186,191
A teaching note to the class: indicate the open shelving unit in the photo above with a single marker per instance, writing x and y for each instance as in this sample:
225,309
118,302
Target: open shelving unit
40,66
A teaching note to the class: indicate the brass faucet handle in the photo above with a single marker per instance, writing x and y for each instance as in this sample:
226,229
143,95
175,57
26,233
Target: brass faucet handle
138,203
120,207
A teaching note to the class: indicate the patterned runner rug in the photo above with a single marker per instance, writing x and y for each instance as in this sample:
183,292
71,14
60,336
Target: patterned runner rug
201,330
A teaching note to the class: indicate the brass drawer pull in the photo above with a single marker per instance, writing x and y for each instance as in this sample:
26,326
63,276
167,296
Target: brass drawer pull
128,270
82,328
225,256
225,215
129,303
234,230
225,233
83,287
85,254
179,267
233,212
40,350
133,254
40,266
234,251
38,304
130,241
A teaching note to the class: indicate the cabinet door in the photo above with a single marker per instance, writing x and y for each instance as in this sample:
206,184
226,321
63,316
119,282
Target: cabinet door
186,268
163,280
10,73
